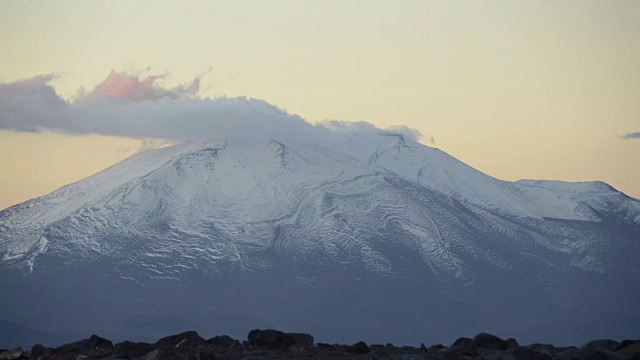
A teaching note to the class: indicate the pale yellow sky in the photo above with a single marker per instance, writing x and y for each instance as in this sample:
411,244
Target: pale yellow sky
517,89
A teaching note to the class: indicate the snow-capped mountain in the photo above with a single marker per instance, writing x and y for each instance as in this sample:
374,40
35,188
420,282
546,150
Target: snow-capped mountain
371,236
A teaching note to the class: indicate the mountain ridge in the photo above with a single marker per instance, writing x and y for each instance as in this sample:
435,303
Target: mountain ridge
352,219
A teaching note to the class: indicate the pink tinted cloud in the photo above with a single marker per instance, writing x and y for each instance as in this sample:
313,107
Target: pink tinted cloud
121,85
149,111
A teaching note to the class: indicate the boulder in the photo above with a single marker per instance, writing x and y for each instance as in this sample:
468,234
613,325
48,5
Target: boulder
568,354
589,353
303,339
524,353
490,354
101,344
274,339
358,348
192,337
164,353
223,341
463,341
626,343
171,353
262,338
630,350
95,346
132,349
418,356
11,354
604,344
460,349
488,341
37,351
278,341
456,356
512,343
546,349
199,356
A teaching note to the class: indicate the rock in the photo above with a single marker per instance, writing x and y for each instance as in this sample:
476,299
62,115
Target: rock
358,348
418,356
305,340
459,350
193,338
164,353
200,356
37,351
626,343
463,341
11,354
605,344
588,353
436,347
390,346
262,338
278,341
152,355
274,339
132,349
568,354
490,354
456,356
546,349
488,341
524,353
188,343
95,346
631,349
409,349
223,341
512,343
100,344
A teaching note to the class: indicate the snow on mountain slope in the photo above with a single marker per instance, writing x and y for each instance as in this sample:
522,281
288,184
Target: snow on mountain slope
221,201
441,172
321,236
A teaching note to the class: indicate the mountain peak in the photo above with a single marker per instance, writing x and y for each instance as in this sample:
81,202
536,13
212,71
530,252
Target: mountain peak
372,219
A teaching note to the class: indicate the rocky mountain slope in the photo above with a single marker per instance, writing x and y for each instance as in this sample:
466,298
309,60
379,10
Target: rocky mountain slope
374,235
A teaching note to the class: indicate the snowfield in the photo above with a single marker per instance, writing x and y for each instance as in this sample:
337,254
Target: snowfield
313,228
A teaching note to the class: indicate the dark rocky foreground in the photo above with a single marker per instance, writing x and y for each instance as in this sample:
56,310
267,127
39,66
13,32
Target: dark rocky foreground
273,344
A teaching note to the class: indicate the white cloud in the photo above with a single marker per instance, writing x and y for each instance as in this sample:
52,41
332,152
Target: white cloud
129,106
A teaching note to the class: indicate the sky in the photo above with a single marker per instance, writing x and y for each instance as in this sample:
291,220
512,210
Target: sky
517,89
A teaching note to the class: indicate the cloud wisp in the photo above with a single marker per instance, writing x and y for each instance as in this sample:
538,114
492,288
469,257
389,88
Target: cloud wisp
631,135
129,106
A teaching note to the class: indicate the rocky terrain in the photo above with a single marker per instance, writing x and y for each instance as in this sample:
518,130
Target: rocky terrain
274,344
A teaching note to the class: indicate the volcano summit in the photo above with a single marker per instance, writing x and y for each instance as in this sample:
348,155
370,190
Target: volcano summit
355,236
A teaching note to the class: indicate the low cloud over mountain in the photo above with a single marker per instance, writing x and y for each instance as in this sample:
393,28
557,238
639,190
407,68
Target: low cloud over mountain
134,107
